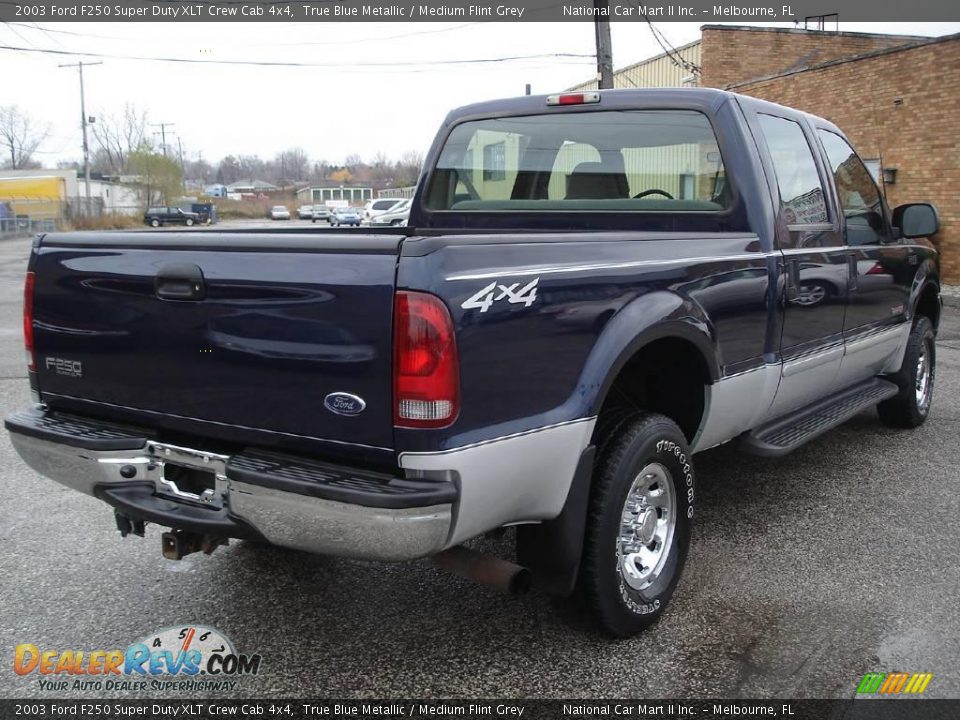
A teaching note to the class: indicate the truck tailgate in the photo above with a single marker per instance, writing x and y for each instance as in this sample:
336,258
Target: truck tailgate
245,330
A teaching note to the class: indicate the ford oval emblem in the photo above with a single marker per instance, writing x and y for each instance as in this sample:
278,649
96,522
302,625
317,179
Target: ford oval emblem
343,403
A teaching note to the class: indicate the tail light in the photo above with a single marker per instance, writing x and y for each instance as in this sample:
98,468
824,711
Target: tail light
28,321
426,370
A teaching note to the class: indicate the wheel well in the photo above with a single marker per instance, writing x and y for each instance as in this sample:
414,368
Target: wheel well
667,376
929,304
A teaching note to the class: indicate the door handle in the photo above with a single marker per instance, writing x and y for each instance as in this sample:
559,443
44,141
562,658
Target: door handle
792,288
180,282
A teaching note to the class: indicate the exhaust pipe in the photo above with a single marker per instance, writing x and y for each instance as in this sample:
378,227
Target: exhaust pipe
502,575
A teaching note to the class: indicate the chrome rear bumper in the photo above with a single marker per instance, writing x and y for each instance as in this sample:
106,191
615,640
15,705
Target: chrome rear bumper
243,502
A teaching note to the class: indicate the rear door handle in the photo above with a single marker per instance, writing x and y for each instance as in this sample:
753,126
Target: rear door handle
792,284
180,282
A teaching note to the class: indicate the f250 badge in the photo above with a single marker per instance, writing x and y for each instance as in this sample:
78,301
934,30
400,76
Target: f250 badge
62,366
494,292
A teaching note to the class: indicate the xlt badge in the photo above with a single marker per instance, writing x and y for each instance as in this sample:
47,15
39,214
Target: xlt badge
62,366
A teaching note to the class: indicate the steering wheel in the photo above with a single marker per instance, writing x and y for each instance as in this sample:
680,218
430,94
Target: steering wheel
653,191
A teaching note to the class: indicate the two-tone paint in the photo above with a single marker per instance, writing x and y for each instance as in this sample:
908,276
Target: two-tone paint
280,321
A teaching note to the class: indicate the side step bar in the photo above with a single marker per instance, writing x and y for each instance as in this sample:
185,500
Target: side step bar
789,432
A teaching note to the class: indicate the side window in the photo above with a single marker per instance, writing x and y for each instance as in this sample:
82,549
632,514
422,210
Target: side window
857,192
495,161
801,190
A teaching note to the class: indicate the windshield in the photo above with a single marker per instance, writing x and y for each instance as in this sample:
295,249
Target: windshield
653,160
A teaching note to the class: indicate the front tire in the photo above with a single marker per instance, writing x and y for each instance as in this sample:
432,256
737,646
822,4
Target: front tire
154,223
909,408
639,523
189,222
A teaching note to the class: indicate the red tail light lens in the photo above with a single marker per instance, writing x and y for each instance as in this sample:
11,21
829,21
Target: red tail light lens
426,370
28,321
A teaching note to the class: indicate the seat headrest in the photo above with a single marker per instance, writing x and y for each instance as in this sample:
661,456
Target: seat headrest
595,181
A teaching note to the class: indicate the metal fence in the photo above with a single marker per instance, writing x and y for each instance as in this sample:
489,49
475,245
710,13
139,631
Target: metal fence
27,216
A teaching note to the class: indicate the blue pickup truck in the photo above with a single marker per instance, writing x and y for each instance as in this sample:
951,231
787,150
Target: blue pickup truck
593,287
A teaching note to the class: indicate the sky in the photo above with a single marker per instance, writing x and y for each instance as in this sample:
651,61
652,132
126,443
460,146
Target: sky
371,95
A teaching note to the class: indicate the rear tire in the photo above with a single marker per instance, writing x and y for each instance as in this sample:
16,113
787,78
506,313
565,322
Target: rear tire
909,408
638,523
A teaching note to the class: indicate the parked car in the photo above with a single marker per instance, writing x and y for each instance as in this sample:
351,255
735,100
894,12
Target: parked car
399,214
320,212
305,212
430,396
157,216
345,216
376,207
279,212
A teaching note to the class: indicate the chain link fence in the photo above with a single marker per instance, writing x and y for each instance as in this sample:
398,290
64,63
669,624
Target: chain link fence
28,216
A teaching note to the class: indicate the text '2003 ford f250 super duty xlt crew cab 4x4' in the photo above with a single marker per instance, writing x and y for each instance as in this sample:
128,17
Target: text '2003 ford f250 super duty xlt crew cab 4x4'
593,287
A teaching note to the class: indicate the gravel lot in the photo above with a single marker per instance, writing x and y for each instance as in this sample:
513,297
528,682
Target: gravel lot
805,573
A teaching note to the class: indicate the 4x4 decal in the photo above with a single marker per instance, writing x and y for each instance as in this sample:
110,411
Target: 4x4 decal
494,292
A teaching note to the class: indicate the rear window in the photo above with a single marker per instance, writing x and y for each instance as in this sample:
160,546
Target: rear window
383,204
639,160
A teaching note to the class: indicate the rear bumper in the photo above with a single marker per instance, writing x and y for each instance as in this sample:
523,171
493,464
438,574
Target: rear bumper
287,501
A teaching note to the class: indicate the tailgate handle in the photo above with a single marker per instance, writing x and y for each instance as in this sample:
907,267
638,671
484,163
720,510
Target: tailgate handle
180,282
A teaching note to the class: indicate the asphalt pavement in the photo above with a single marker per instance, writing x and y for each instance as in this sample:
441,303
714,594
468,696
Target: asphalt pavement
805,573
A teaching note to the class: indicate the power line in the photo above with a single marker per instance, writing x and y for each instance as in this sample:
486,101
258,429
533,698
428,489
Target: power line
163,133
83,124
305,43
36,26
668,49
14,31
269,63
384,38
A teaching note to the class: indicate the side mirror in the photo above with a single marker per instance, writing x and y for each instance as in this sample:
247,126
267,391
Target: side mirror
916,220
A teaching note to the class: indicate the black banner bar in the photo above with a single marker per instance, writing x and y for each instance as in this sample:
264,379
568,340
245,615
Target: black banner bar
192,709
699,11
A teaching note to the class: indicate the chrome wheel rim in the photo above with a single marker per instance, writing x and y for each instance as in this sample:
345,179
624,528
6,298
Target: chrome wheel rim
924,384
811,294
647,525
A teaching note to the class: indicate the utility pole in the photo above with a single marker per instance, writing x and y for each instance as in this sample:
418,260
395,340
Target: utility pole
83,125
163,133
604,46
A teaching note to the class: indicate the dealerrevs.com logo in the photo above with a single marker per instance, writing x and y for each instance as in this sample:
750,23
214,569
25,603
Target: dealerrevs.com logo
183,658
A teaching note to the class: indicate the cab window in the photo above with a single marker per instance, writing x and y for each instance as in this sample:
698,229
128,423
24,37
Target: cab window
857,193
601,161
801,191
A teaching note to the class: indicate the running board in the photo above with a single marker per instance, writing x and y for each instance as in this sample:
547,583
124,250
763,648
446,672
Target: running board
787,433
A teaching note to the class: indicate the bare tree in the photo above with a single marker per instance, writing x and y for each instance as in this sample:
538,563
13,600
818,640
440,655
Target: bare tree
293,164
409,167
21,137
117,137
228,170
199,170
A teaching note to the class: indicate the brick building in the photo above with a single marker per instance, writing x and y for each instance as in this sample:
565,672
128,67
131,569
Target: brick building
897,97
